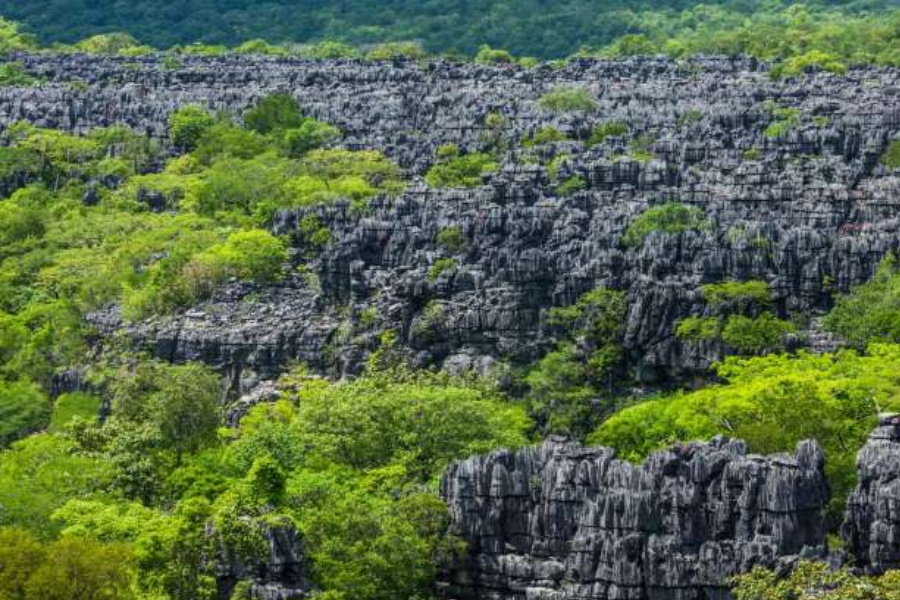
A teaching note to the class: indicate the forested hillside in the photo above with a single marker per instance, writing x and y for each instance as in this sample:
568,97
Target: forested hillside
541,28
338,321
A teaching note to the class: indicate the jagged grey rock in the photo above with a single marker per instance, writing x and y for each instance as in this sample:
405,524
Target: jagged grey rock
871,528
809,209
283,574
560,521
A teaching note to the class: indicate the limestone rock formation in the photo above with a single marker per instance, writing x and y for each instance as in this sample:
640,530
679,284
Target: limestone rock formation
560,521
799,201
281,575
871,528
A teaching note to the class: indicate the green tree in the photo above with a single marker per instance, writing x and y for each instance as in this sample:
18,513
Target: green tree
188,124
180,401
275,112
23,409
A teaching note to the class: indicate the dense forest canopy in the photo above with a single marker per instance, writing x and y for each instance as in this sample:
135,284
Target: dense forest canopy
541,28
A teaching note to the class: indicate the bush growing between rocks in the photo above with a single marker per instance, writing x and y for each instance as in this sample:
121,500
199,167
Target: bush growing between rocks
568,99
188,124
488,56
671,218
464,171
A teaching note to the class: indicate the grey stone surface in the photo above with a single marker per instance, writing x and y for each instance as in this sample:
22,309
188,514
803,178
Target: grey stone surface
559,521
871,528
810,210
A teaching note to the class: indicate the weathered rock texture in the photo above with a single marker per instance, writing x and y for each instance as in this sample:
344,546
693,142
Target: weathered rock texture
871,527
808,209
281,575
560,521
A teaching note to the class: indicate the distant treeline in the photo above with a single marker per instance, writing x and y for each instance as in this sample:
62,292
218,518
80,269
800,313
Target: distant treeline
541,28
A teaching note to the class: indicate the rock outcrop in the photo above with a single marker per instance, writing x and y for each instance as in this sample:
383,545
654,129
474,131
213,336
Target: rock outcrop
560,521
283,574
786,172
871,529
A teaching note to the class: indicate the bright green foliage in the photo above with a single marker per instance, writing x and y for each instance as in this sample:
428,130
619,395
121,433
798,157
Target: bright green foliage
814,59
545,135
461,171
251,255
568,99
180,402
891,156
421,420
12,39
275,112
571,186
76,405
565,386
696,329
773,402
108,43
261,47
609,129
487,56
396,50
13,74
452,239
39,474
764,333
870,312
70,568
309,135
670,218
314,233
785,120
440,266
188,124
815,581
737,293
23,409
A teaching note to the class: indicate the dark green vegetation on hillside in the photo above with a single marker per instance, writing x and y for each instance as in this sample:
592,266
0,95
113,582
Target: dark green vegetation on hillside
138,505
827,34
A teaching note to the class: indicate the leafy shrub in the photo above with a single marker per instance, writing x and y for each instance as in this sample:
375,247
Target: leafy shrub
891,156
564,387
188,124
802,63
487,56
764,333
571,186
260,46
396,50
439,267
76,405
738,292
601,132
869,313
785,120
275,112
461,171
23,410
311,134
313,231
568,99
698,328
545,135
419,420
108,43
452,239
13,74
670,218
